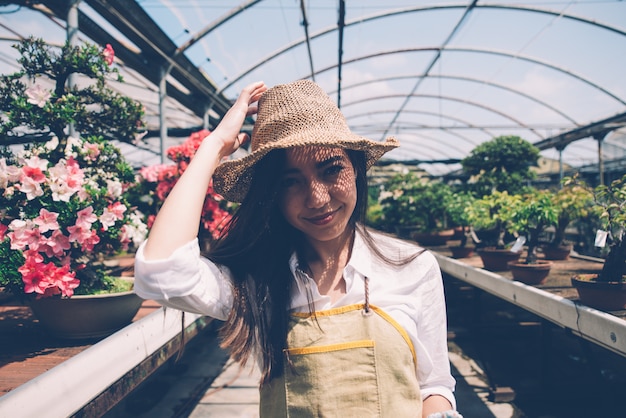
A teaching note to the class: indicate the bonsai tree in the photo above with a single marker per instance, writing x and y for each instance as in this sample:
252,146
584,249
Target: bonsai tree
396,201
610,202
574,201
458,207
38,104
489,218
529,216
501,164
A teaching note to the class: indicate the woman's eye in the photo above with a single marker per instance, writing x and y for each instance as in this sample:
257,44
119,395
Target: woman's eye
333,170
288,182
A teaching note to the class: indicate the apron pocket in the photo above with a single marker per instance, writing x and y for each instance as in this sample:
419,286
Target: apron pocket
332,380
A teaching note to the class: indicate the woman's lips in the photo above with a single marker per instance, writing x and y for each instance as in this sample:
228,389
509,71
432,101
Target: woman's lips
322,219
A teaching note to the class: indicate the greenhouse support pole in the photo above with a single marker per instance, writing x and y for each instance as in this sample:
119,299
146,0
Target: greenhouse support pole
561,173
600,137
72,38
162,120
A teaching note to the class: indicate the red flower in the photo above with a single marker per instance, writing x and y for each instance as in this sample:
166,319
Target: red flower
108,54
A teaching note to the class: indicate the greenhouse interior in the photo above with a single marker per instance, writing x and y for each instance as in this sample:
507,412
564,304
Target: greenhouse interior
511,121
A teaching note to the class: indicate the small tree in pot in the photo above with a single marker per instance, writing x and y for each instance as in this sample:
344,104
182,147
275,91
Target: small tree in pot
574,202
489,218
610,202
458,206
529,217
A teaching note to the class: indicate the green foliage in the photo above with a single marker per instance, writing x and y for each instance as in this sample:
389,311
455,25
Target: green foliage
501,164
10,278
91,106
408,200
457,207
574,202
489,215
610,205
530,215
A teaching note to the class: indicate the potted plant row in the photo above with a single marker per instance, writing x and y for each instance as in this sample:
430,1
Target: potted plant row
417,208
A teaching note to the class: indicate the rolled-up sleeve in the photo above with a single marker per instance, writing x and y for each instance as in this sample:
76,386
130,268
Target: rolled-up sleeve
185,281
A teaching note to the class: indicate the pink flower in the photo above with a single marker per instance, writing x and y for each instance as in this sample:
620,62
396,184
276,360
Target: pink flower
108,54
30,188
66,178
37,95
85,217
56,245
46,279
8,174
47,221
85,237
24,235
93,151
3,231
151,173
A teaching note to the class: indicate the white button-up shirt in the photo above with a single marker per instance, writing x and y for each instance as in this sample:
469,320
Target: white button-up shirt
411,294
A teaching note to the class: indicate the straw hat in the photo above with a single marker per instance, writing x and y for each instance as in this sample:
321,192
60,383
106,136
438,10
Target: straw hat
292,115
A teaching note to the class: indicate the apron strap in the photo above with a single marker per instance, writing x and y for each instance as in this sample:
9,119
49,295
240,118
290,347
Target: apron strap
367,295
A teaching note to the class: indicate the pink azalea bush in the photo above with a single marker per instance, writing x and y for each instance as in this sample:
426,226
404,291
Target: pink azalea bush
62,217
64,196
156,182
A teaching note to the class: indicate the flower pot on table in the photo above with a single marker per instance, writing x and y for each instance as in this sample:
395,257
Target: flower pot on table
86,316
495,259
607,296
532,274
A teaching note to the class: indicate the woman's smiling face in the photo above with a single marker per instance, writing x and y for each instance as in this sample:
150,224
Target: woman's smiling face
318,191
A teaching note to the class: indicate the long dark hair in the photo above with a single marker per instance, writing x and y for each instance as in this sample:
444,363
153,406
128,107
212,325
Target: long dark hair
256,247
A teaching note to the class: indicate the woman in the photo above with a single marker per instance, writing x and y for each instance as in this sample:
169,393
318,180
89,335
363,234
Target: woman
342,321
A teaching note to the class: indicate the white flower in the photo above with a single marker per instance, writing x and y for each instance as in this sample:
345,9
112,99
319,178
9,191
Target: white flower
114,188
37,95
52,144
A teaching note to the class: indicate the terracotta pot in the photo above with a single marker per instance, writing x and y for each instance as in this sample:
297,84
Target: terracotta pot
461,252
531,274
607,296
560,252
433,238
405,232
495,259
86,316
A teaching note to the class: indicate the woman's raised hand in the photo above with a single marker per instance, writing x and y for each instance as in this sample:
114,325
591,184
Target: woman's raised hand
228,131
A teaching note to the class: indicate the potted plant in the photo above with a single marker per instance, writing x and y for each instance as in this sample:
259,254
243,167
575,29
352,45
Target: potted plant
396,202
458,205
500,164
154,183
64,197
574,202
489,219
529,216
607,290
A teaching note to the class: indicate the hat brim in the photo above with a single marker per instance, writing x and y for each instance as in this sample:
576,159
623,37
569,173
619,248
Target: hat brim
232,178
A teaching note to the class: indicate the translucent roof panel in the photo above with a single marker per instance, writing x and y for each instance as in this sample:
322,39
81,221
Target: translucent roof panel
442,77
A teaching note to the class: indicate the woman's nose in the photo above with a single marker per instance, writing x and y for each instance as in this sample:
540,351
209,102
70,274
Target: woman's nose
318,195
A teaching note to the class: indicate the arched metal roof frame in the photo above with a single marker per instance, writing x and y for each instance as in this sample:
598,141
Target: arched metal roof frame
472,79
186,73
451,98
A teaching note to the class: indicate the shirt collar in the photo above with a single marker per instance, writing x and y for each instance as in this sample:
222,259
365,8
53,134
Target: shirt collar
360,259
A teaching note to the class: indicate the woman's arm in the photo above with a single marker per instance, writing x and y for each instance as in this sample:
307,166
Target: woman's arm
179,218
434,404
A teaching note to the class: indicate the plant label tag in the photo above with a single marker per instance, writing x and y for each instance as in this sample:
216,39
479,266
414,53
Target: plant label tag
474,236
519,243
601,238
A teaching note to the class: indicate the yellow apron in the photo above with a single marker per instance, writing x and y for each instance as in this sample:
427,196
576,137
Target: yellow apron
353,361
